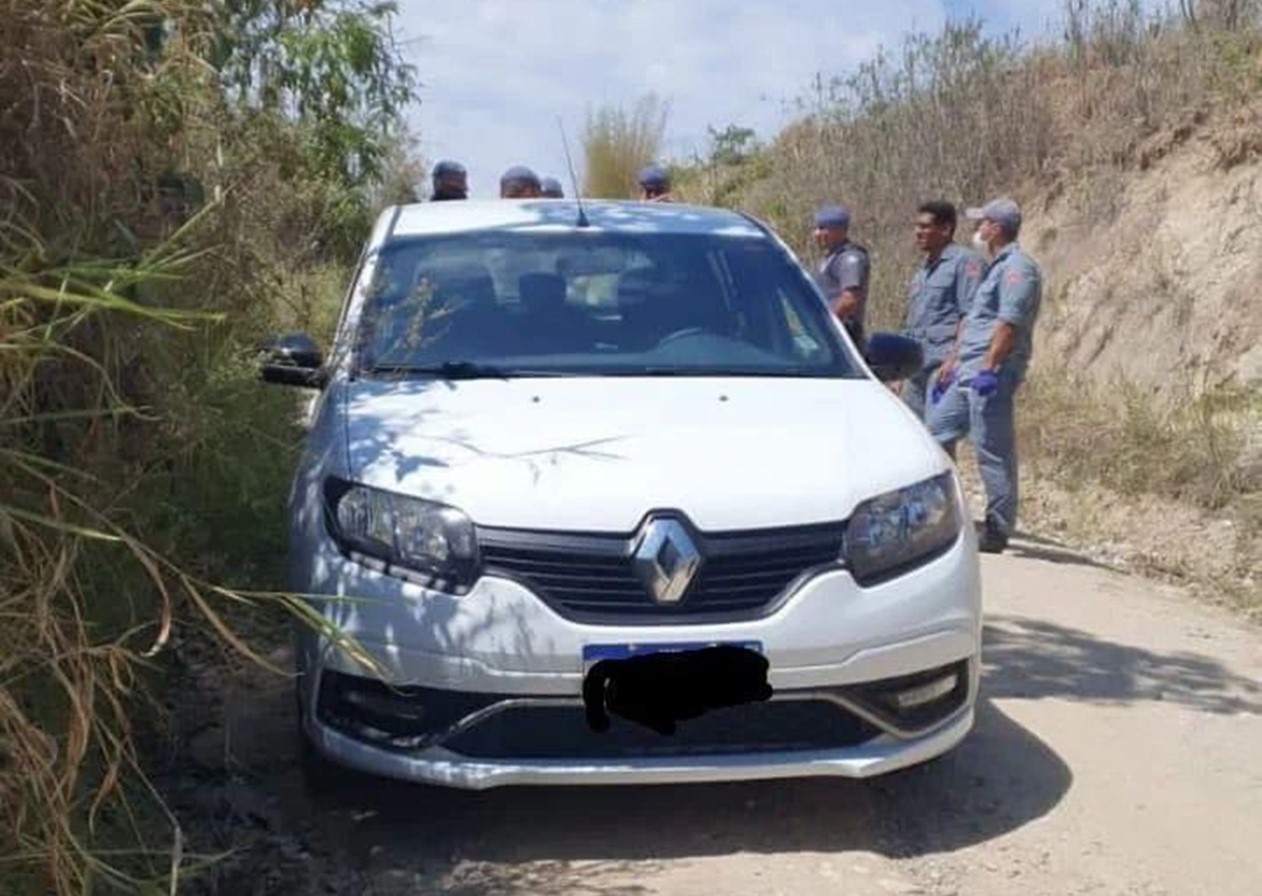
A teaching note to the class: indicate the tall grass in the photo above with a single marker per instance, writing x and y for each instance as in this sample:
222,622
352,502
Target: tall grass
149,235
1186,447
618,143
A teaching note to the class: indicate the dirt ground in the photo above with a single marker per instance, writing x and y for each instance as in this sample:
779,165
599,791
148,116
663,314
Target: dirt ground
1116,751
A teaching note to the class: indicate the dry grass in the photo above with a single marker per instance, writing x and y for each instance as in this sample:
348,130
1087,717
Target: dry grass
1177,480
617,143
1191,447
139,460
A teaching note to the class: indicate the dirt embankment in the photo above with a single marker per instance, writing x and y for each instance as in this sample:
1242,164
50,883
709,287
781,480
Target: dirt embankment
1157,275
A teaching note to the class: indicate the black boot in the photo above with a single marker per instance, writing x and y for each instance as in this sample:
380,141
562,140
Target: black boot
992,541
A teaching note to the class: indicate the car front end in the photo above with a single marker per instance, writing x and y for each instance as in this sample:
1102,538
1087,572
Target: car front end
495,551
481,635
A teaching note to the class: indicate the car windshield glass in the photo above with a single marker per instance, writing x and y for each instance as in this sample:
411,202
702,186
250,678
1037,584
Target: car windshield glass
503,303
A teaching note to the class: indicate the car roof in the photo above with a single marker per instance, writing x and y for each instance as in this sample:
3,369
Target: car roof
437,218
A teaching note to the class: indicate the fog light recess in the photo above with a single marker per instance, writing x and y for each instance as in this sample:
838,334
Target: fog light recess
921,695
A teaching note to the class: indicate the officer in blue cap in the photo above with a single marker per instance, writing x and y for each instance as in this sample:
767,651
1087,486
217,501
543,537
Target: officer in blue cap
654,184
843,274
450,181
976,387
519,182
551,188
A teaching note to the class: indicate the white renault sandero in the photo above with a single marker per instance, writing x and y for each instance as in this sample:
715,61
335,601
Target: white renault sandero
608,496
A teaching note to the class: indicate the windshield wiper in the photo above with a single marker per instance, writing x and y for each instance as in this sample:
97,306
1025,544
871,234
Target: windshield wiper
448,370
465,370
798,373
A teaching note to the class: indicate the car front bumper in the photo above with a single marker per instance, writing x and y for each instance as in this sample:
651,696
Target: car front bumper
508,652
439,766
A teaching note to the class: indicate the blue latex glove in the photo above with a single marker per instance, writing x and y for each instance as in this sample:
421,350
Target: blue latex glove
940,386
984,382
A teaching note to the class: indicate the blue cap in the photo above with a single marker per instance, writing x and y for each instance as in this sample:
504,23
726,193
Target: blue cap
832,216
654,177
519,172
551,188
446,166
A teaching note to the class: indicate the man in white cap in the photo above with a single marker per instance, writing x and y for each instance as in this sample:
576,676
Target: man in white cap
976,386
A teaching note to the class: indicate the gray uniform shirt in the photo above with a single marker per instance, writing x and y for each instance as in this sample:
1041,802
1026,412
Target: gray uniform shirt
846,267
1011,291
941,292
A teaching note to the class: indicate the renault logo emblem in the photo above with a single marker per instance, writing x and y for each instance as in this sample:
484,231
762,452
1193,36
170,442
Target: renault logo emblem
666,560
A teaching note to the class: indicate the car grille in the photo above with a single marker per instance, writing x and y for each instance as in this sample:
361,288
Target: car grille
561,733
590,577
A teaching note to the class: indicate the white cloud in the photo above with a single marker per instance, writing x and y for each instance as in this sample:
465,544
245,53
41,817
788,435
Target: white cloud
496,74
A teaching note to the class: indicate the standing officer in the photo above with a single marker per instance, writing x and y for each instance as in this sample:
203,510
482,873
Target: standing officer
939,296
654,185
450,181
519,182
843,274
975,388
551,188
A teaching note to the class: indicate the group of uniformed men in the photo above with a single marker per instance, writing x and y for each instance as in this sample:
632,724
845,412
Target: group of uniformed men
972,309
451,181
973,312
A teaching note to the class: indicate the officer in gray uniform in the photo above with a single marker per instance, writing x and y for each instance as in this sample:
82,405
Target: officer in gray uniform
843,274
551,188
941,290
974,390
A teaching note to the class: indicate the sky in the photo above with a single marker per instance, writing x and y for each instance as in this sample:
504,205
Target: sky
497,74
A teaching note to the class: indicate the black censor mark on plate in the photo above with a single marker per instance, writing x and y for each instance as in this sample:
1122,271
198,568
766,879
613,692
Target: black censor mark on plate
658,690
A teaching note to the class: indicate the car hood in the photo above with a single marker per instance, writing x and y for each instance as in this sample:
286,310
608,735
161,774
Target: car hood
597,454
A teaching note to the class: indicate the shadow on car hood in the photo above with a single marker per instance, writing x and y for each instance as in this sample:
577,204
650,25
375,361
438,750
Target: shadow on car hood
598,453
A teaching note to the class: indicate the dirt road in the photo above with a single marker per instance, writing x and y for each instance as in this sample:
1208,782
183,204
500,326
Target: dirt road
1118,751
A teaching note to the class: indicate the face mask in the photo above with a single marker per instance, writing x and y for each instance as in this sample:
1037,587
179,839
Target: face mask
978,243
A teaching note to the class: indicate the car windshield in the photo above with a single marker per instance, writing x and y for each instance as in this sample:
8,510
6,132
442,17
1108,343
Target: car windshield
505,303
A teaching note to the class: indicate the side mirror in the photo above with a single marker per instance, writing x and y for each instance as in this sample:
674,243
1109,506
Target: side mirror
293,360
894,357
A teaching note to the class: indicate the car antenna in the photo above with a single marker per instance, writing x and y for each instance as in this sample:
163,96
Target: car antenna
569,161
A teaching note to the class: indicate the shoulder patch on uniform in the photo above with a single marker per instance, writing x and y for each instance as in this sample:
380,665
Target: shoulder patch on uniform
973,267
1012,278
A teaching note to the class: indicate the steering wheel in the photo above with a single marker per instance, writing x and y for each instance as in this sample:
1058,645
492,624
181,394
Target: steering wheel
681,334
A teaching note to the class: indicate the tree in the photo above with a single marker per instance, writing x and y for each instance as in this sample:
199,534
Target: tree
330,66
732,146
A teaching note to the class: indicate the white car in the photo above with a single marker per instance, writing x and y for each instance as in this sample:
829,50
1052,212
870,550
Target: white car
607,495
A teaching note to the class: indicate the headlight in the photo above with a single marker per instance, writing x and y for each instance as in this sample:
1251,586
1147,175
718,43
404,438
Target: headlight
901,529
422,541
